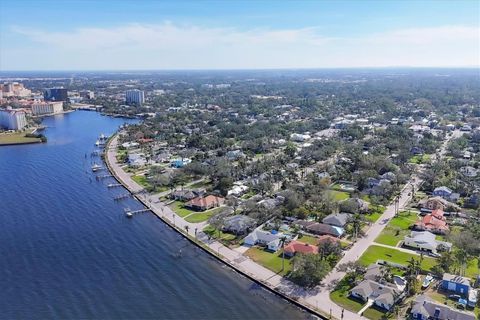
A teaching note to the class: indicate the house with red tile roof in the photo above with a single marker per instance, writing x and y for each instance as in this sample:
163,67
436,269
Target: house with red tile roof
205,203
296,246
434,222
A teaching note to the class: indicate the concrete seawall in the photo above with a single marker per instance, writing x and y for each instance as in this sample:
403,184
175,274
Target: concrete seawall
202,245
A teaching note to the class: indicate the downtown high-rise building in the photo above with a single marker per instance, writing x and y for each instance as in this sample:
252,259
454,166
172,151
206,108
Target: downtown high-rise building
134,97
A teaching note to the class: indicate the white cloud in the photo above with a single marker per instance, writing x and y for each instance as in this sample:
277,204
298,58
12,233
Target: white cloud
171,46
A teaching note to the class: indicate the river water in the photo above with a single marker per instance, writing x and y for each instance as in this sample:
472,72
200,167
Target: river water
67,251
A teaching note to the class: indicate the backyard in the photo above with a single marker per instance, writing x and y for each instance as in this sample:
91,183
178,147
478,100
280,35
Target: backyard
375,253
179,209
397,228
197,217
271,261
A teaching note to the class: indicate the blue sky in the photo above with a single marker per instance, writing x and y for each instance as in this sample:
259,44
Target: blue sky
122,34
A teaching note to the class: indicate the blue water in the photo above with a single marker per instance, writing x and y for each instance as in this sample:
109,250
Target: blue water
67,251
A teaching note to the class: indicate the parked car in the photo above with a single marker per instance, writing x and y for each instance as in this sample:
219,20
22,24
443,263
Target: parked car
427,281
454,297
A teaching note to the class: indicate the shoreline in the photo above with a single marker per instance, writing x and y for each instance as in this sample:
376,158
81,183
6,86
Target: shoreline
117,176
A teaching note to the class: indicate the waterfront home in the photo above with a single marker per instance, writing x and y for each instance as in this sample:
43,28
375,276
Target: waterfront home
383,295
130,145
269,239
185,195
337,219
205,203
425,308
434,222
453,283
321,229
425,241
136,160
297,246
238,224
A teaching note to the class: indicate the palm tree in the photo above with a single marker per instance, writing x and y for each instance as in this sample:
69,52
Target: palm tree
186,228
283,239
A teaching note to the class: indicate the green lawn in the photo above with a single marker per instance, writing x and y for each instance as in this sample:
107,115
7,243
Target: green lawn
377,314
141,180
339,195
308,239
472,268
214,233
397,228
373,217
341,297
202,216
272,261
375,253
179,209
200,184
16,138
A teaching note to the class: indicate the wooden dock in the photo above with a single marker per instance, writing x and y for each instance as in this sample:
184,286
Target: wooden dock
122,196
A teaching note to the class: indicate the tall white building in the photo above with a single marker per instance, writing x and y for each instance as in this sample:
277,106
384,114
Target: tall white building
40,108
134,97
12,119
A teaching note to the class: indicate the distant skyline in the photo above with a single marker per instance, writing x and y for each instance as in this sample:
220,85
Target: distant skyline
139,35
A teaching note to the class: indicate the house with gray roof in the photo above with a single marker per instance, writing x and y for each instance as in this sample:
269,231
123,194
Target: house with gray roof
383,295
424,309
271,240
425,241
337,219
238,224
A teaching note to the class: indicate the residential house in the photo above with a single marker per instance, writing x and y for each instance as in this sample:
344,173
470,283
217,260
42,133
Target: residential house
383,295
458,284
205,203
237,189
162,157
327,238
434,203
303,224
425,241
354,205
468,171
238,224
296,246
136,160
271,203
425,309
271,240
446,193
234,155
179,163
185,195
473,201
320,228
337,219
434,222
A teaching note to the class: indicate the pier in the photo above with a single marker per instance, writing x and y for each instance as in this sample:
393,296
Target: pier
129,213
122,196
103,176
114,185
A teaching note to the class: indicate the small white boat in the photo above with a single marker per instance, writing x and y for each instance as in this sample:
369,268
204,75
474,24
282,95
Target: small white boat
96,167
103,137
129,214
97,143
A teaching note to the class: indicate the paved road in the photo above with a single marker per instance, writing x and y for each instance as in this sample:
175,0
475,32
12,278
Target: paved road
318,298
323,297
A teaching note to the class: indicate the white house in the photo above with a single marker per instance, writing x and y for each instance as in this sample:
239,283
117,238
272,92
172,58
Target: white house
425,241
264,238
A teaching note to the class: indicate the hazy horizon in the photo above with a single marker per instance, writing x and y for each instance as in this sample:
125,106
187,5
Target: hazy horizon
106,35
